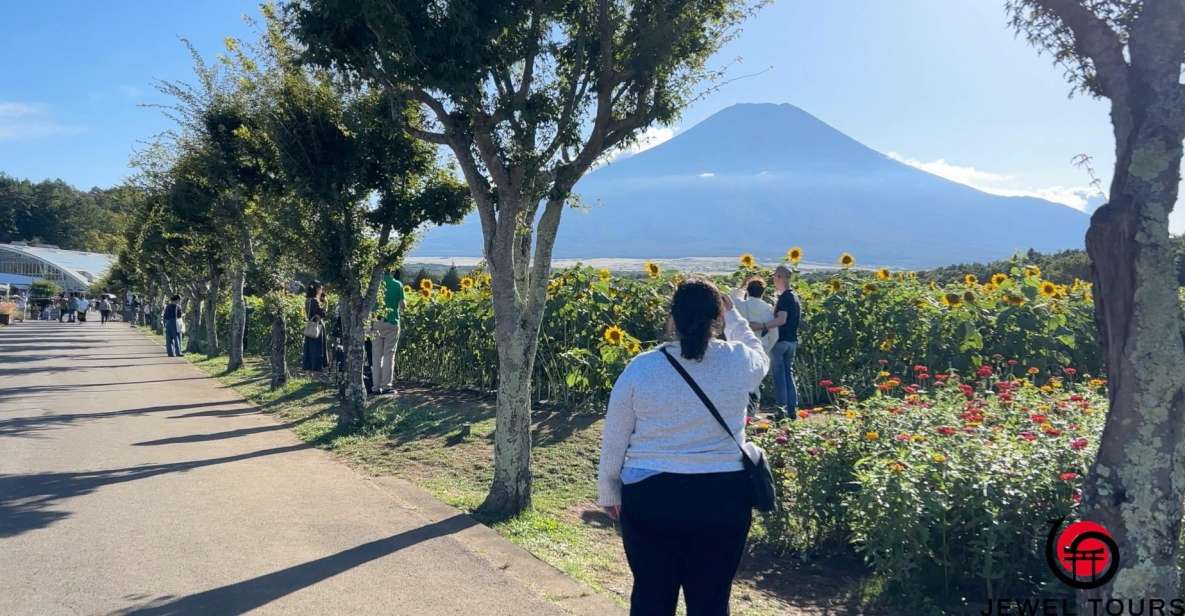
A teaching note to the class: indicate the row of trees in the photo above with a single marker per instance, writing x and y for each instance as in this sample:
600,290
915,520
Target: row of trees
316,149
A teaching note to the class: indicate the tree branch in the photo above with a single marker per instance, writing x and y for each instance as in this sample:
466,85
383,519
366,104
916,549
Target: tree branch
1096,40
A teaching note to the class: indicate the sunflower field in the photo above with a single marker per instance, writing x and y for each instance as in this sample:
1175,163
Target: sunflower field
855,323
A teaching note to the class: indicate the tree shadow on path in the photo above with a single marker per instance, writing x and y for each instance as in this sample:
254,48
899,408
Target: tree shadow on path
26,500
249,594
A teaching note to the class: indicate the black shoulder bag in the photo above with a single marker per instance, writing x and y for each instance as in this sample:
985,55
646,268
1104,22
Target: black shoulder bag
761,478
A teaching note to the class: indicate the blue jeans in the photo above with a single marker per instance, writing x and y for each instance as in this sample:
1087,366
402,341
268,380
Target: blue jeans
782,365
173,341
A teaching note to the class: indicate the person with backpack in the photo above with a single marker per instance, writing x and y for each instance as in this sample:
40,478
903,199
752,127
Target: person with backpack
671,469
173,326
104,310
315,357
71,307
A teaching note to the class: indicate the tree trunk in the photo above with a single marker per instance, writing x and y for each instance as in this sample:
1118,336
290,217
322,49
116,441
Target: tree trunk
279,359
212,313
510,491
238,319
193,323
1136,485
352,387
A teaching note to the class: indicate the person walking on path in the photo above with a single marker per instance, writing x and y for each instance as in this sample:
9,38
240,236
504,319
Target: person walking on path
104,310
669,471
386,332
71,307
787,316
315,357
84,305
173,326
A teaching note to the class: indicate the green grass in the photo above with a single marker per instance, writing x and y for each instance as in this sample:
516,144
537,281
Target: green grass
416,436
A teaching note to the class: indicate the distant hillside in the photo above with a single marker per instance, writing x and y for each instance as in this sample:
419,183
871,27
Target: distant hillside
54,212
761,177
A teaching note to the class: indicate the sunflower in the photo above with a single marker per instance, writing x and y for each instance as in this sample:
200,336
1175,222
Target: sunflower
1014,300
970,280
883,274
1048,289
990,286
835,285
634,347
869,288
466,283
953,300
604,275
886,345
614,335
1032,270
426,293
446,293
794,255
652,269
426,284
846,260
999,278
748,261
968,296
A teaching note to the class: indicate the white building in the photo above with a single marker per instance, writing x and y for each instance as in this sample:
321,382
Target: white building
21,264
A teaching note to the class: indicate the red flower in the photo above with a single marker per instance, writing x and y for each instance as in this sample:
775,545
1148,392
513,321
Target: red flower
1076,496
1038,419
1028,436
1068,476
1077,398
834,390
946,431
1052,431
923,376
941,376
781,438
826,383
1070,371
1012,362
1078,443
903,438
984,371
920,368
911,389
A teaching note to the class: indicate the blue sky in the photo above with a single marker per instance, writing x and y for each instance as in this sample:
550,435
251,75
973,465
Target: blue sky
943,85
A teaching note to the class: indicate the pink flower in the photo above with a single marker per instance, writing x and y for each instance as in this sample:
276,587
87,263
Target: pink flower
903,438
1038,419
946,431
781,438
920,368
1078,444
1070,371
984,371
826,383
1028,436
1068,476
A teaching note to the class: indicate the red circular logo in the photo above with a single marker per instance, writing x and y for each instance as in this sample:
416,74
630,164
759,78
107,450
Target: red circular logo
1083,554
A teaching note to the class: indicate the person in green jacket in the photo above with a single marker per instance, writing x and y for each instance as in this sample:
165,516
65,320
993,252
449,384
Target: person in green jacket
385,338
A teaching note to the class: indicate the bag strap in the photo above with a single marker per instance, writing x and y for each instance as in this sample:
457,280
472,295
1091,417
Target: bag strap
704,398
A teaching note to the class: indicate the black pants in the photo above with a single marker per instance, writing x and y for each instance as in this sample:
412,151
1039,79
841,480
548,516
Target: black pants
685,531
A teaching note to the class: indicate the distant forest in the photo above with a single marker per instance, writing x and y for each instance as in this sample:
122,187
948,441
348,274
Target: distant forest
54,212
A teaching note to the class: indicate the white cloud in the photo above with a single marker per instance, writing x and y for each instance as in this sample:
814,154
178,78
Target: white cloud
707,174
1077,197
649,138
29,121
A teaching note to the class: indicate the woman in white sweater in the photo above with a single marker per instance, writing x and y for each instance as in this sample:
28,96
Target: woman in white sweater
669,472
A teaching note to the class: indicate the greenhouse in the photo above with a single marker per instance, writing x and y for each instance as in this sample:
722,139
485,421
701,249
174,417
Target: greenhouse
20,264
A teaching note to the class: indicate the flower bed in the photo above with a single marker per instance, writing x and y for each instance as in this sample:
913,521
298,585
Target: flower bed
944,482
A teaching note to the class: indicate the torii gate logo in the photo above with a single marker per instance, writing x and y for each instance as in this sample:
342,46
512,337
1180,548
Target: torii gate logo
1082,555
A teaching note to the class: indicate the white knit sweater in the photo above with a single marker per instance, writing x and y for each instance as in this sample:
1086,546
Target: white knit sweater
656,422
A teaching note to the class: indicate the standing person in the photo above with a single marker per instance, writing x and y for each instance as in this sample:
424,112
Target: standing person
669,471
104,310
314,358
787,316
749,301
71,307
172,319
386,332
84,304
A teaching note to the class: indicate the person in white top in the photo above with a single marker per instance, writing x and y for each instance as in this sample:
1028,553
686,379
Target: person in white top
748,300
669,471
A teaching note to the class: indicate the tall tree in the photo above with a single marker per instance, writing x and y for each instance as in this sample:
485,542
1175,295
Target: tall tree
364,188
528,95
1130,52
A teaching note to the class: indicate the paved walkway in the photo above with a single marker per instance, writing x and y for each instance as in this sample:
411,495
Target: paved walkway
132,484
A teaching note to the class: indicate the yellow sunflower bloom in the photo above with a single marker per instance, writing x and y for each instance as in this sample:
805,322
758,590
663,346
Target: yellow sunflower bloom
953,300
970,280
869,288
446,293
747,261
883,274
999,278
968,297
604,275
652,269
614,335
1048,289
1032,270
872,435
426,284
846,260
426,293
794,255
634,347
835,285
466,283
